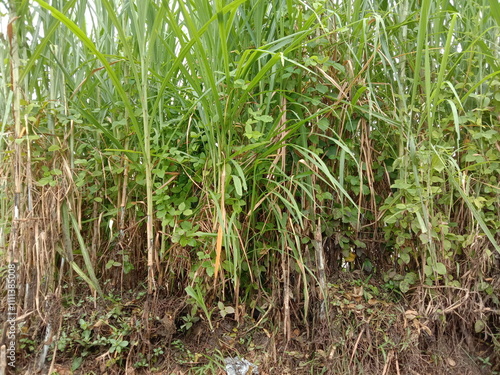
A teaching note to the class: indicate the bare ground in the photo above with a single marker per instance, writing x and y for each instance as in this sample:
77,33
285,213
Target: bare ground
365,330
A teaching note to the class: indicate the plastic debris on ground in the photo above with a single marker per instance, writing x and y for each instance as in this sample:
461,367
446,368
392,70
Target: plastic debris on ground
240,366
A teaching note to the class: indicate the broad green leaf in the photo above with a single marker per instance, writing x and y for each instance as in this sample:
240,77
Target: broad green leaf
237,185
440,268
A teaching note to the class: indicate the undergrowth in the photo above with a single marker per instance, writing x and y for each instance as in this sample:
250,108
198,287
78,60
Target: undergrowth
240,157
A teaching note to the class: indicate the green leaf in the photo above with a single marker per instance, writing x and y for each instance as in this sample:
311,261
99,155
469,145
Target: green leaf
495,11
479,326
240,83
45,180
411,277
264,118
358,94
404,286
424,238
440,268
76,363
324,124
428,270
237,185
112,263
400,184
405,258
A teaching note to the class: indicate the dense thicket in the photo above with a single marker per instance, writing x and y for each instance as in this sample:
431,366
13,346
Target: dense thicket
245,152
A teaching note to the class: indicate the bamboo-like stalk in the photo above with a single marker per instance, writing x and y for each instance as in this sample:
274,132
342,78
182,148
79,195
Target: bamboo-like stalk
320,261
16,115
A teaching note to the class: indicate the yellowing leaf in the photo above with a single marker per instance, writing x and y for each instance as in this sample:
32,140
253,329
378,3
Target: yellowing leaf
218,249
350,258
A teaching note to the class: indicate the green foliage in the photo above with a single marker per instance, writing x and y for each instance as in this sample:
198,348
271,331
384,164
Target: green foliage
197,299
202,143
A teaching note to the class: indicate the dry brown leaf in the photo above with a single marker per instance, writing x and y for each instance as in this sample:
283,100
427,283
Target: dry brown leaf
62,370
411,314
358,291
426,329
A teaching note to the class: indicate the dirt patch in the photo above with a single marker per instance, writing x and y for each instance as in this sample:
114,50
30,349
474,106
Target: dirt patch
360,329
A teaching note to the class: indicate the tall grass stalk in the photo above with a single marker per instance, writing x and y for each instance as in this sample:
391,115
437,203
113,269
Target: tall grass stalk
15,246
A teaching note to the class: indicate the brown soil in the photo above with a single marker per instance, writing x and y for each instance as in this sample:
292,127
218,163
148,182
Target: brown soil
365,331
